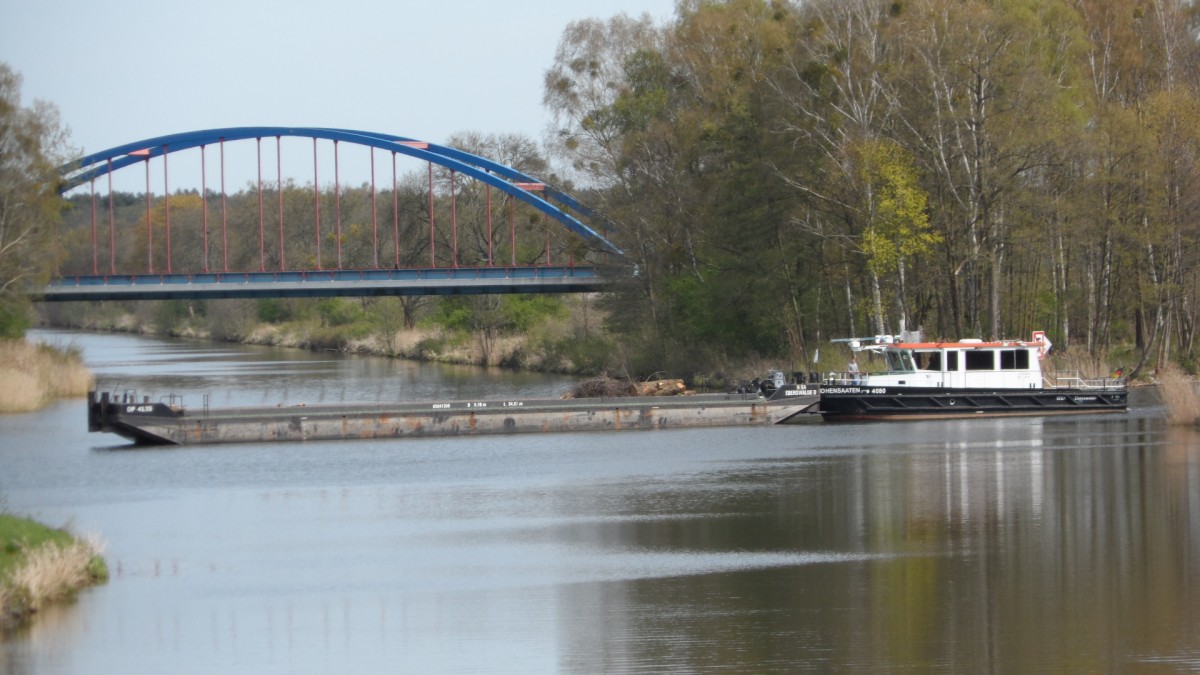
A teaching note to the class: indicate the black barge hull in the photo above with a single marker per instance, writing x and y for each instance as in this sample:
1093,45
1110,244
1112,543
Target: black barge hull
148,423
853,403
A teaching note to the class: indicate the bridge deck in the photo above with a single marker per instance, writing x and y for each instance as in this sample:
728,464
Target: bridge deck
325,283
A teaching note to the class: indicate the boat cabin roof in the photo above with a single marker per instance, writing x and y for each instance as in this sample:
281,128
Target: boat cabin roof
892,344
1004,344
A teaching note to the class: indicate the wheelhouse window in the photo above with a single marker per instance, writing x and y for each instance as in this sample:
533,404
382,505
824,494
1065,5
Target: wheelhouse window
952,361
1014,359
899,361
980,360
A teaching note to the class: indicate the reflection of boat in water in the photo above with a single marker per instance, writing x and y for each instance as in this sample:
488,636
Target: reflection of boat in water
929,380
170,423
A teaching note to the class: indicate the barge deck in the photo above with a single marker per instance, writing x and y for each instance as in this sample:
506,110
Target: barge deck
162,423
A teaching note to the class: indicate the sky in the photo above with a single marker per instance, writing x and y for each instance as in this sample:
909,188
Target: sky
124,70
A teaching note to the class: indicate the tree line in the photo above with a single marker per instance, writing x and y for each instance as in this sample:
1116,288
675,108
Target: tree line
786,172
782,173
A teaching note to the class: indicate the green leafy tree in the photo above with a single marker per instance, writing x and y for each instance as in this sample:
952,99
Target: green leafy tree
897,224
32,145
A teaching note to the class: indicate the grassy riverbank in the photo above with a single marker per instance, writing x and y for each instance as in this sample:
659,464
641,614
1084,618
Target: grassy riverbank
40,565
32,375
561,335
566,335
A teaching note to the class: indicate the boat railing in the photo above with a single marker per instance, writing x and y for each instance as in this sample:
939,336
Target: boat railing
1076,380
841,379
172,401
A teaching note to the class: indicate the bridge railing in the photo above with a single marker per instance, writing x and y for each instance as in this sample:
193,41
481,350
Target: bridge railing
319,276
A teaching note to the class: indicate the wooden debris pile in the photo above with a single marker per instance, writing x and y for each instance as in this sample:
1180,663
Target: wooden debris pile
672,387
610,387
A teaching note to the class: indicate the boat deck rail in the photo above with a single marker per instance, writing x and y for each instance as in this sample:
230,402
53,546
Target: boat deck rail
1076,380
1059,380
841,379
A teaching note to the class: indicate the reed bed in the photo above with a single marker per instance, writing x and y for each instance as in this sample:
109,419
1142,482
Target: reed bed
43,566
1081,362
32,375
1178,393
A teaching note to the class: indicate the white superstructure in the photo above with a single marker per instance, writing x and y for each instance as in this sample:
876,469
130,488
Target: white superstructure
966,364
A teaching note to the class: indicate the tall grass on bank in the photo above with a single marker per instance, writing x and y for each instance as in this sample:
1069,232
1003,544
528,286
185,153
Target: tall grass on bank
32,375
1179,396
1079,362
39,565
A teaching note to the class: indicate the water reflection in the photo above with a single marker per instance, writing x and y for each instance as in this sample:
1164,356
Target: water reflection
1056,544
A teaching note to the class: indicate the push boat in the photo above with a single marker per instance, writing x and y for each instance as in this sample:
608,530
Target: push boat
940,380
170,422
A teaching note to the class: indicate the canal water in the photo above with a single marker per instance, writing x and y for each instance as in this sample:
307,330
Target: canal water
1016,545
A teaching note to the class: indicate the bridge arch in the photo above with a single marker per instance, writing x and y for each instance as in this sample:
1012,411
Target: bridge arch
507,179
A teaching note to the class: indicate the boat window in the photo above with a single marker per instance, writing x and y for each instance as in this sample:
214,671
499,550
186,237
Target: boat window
933,361
981,360
899,361
952,362
927,360
893,361
1014,359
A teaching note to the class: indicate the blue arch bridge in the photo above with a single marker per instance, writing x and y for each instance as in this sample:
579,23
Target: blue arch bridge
305,255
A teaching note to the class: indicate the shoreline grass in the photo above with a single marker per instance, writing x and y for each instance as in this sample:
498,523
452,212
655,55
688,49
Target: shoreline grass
1179,397
40,565
33,374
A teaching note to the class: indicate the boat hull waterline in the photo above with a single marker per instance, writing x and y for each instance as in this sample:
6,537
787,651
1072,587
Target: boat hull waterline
966,378
851,403
147,423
